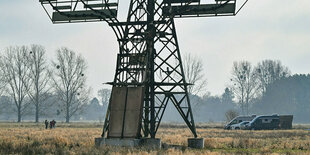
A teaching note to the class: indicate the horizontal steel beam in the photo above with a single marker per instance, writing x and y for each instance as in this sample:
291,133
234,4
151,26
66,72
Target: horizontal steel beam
63,7
69,16
136,23
180,1
47,1
171,84
101,5
205,9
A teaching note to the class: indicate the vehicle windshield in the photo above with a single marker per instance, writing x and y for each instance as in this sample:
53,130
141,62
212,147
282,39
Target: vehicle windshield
254,119
234,121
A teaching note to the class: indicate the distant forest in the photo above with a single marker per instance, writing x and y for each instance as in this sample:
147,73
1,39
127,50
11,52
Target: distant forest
35,88
288,95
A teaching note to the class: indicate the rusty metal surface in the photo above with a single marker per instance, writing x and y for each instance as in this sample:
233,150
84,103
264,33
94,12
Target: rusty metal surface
128,126
117,112
133,112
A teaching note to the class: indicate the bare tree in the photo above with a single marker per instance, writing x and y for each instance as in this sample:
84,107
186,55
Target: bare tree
268,71
194,74
14,66
3,83
244,84
231,114
39,78
69,81
104,95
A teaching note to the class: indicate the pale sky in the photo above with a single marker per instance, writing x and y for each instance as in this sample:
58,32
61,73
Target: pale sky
264,29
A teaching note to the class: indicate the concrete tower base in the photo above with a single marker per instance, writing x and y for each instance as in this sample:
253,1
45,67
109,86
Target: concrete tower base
154,143
145,142
197,143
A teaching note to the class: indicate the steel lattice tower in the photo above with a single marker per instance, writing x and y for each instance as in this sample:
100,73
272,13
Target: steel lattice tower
143,32
149,55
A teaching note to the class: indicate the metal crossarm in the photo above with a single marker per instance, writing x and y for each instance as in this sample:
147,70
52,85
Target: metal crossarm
198,9
72,11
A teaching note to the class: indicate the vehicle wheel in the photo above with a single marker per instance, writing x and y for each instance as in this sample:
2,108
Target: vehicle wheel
237,128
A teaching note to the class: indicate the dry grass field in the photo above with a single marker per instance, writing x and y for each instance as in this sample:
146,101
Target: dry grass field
78,138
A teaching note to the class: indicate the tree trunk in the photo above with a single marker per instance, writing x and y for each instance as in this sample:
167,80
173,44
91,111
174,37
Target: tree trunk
37,100
19,116
67,119
37,113
67,114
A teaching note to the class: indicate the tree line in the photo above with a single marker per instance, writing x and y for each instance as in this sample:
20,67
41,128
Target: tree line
288,95
31,84
249,83
28,78
265,88
252,89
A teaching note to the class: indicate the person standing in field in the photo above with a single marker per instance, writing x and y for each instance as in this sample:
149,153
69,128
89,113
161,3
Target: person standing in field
46,124
54,123
51,124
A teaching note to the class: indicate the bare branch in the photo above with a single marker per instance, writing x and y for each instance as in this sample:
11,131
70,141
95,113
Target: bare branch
194,74
15,71
268,71
244,84
39,77
69,81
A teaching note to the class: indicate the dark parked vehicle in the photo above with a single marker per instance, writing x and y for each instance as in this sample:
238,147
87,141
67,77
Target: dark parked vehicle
264,123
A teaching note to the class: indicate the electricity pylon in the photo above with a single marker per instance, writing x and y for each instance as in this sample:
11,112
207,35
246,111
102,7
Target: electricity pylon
149,71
